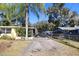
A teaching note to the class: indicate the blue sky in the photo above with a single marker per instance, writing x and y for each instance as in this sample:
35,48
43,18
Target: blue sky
72,6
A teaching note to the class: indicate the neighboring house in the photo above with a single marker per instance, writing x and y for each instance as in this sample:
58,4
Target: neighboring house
71,32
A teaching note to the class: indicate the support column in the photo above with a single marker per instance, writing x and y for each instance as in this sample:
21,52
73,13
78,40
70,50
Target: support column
36,31
5,30
31,33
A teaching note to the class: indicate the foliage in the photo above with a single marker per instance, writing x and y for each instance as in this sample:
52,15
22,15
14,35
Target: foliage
35,8
71,23
12,11
5,23
6,37
29,33
44,25
58,14
54,12
20,31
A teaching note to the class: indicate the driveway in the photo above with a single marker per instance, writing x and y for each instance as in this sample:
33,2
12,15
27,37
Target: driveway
47,47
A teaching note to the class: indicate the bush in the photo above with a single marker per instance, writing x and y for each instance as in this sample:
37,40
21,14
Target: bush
21,31
6,37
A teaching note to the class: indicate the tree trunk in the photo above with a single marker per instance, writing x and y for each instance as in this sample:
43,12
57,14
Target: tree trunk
26,22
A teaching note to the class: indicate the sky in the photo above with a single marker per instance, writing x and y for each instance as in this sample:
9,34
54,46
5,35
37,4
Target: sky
33,19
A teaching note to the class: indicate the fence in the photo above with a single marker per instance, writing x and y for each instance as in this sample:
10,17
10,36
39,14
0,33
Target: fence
72,37
67,36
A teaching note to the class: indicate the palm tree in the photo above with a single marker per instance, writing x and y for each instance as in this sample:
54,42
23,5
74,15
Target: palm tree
35,8
10,11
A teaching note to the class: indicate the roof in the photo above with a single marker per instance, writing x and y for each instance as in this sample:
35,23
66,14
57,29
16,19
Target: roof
16,27
69,28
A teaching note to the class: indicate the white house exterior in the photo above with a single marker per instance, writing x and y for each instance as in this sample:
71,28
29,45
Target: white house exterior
12,33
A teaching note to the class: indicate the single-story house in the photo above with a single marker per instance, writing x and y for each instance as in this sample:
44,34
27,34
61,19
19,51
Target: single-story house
11,31
71,32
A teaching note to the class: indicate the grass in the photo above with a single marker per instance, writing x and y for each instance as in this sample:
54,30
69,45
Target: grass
70,43
16,47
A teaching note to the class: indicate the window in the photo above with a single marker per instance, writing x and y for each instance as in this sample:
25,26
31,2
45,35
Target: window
6,30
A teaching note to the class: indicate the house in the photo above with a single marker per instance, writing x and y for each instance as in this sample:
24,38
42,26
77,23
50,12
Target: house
7,31
11,31
71,32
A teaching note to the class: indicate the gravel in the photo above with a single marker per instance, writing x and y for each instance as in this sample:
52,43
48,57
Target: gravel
42,45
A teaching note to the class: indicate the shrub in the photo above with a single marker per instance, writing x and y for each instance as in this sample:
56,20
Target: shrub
6,37
21,31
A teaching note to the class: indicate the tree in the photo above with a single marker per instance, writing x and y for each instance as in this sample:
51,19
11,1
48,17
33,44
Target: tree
42,26
71,23
12,11
35,8
73,18
56,13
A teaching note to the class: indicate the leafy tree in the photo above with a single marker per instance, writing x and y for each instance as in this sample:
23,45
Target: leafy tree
42,26
56,13
61,16
73,18
71,23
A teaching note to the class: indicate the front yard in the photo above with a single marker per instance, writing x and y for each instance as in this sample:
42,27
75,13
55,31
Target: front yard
12,47
19,47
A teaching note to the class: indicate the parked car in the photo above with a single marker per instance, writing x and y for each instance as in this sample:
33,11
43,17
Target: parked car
45,34
57,32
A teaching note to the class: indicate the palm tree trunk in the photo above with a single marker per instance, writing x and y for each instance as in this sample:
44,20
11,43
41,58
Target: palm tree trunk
26,22
26,26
